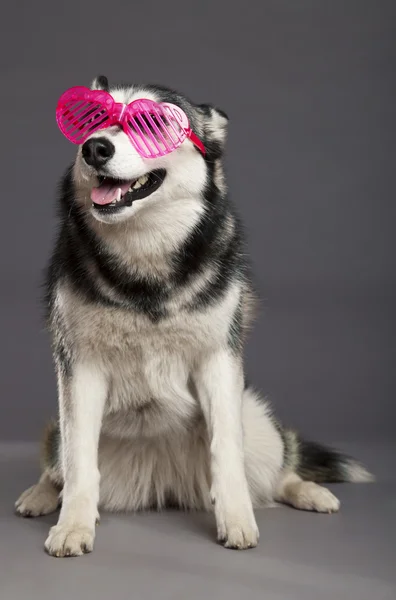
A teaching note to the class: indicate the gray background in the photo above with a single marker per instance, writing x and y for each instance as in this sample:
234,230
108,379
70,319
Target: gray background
310,89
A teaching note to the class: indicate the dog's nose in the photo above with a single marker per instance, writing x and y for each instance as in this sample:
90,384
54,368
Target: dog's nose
97,151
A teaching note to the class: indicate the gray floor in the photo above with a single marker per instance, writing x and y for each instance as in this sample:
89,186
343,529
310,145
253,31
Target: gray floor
172,555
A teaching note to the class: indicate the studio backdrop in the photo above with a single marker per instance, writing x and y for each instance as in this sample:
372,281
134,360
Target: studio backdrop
310,91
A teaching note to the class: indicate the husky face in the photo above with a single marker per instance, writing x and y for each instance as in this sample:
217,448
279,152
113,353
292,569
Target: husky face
134,184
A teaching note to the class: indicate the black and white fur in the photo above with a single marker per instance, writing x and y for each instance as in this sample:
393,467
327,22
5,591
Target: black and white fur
148,308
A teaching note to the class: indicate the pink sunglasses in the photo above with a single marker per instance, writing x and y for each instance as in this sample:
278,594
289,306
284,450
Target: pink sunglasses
155,129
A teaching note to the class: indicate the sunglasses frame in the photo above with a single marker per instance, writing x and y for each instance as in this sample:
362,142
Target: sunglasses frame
170,124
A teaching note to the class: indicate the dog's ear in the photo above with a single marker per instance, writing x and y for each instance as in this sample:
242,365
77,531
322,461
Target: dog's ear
215,129
100,83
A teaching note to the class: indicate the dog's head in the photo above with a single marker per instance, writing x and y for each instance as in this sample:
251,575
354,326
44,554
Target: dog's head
109,169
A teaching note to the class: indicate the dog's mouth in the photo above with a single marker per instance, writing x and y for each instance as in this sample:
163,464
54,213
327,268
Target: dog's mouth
113,194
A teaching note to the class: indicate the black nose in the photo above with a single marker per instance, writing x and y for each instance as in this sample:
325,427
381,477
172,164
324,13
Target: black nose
97,151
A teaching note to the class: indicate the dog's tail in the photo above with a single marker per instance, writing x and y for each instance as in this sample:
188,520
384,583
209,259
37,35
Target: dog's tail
314,462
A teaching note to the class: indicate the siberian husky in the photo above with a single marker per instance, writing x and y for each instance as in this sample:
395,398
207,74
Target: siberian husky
149,300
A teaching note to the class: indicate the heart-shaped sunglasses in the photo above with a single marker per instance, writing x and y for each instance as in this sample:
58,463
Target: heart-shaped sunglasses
155,129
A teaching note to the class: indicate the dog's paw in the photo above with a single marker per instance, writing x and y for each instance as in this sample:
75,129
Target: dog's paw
70,540
311,496
38,500
238,533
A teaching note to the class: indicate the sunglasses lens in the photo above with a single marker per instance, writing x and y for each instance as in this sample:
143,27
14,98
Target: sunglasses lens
78,117
152,130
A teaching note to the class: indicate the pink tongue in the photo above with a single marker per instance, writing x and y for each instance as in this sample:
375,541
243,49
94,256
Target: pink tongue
107,192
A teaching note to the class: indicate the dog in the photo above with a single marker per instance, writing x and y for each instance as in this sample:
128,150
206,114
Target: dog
149,299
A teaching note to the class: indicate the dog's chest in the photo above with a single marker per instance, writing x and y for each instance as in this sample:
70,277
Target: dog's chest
149,364
116,336
113,335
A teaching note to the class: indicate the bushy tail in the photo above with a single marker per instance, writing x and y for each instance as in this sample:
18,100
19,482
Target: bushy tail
314,462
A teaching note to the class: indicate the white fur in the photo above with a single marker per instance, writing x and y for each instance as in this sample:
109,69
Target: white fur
220,381
306,495
139,471
81,402
356,473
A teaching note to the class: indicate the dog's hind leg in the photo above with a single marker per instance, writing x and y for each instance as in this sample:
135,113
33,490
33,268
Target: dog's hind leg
305,495
40,499
307,464
43,498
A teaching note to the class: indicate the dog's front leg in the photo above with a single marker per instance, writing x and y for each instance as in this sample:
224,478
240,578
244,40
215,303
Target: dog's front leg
220,389
82,394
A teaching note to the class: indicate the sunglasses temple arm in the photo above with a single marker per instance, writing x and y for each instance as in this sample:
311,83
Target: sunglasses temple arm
197,142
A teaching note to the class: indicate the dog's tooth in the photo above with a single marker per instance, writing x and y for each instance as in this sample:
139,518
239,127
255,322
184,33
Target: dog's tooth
118,195
136,185
143,179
